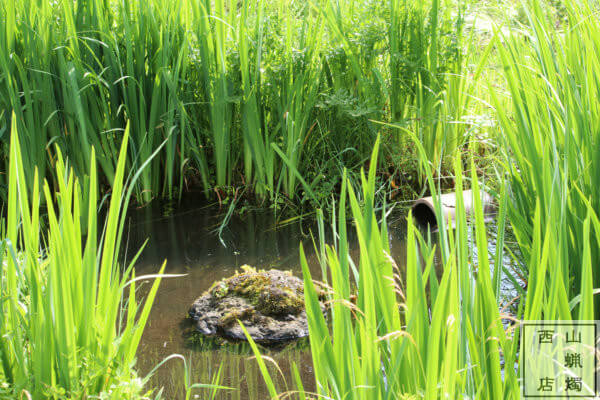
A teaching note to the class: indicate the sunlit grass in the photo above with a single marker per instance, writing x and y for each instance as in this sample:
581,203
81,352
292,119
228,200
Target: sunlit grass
415,334
551,137
70,322
247,94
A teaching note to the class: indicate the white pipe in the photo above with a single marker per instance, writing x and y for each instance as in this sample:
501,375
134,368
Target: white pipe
424,210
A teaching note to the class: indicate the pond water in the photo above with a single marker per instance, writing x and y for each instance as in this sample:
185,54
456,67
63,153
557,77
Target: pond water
186,237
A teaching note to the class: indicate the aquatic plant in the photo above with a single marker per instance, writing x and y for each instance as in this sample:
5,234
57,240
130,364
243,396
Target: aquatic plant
551,136
235,93
400,339
423,334
70,320
452,341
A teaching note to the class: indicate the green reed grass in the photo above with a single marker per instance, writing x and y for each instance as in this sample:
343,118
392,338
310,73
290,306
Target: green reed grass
238,93
419,86
70,320
424,332
551,136
452,342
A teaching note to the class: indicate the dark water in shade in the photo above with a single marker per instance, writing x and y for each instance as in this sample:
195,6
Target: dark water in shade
186,238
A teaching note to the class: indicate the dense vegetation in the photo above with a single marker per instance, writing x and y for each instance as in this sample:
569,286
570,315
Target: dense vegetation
257,95
285,101
64,330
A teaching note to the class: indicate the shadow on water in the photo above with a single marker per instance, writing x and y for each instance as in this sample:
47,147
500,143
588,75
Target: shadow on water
186,238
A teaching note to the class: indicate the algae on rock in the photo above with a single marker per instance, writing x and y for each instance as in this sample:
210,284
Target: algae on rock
270,304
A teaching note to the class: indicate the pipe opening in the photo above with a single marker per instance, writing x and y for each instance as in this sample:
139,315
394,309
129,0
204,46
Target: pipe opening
424,215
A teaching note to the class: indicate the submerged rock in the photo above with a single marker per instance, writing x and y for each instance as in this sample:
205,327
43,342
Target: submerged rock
270,304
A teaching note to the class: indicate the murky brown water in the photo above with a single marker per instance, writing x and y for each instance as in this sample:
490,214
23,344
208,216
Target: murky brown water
186,239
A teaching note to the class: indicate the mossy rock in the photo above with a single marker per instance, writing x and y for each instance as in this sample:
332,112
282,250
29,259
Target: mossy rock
270,304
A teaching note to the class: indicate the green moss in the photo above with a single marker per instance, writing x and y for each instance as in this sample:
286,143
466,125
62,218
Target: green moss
280,301
232,316
249,285
260,291
220,290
